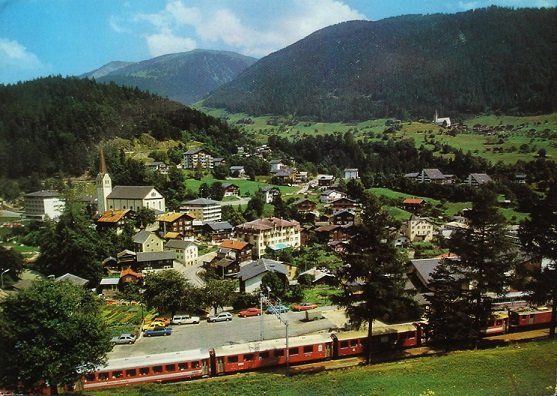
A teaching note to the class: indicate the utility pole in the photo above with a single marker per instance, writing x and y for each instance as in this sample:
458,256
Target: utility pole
261,316
284,321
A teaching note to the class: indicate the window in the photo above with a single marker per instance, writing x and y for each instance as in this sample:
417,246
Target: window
293,351
90,377
103,376
232,359
344,344
131,373
279,352
353,343
144,371
263,355
170,367
308,349
157,369
117,374
194,364
182,366
248,357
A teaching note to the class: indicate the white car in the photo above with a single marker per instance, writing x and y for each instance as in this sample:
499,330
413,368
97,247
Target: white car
221,317
184,319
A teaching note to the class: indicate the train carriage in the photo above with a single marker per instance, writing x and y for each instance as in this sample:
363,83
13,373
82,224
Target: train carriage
162,367
498,323
527,318
230,359
384,337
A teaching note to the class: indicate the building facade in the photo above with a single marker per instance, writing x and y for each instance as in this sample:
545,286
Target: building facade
186,251
271,233
419,229
198,158
43,204
202,209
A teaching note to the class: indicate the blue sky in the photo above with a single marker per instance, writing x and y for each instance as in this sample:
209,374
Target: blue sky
70,37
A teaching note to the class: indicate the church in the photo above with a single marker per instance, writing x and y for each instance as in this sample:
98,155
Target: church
125,197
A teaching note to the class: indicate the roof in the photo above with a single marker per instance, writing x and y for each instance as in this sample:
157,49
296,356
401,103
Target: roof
327,228
417,218
171,235
344,199
76,280
178,244
113,216
317,274
142,236
481,178
125,252
171,217
130,192
412,175
226,185
109,281
218,225
425,268
129,271
44,194
156,359
154,256
329,192
351,170
194,151
434,173
377,329
233,244
285,172
268,223
275,161
269,188
200,202
413,201
302,200
272,344
325,177
253,268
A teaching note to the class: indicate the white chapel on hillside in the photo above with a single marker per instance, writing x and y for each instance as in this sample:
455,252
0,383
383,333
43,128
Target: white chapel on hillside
125,197
441,121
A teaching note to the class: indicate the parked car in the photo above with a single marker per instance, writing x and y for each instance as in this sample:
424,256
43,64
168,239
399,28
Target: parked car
221,317
153,324
249,312
163,320
303,307
185,319
277,309
123,339
158,331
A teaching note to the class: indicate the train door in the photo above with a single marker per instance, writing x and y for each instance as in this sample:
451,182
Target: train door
328,349
220,365
532,319
204,368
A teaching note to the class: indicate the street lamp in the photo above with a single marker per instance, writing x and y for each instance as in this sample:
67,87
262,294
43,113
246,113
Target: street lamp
2,276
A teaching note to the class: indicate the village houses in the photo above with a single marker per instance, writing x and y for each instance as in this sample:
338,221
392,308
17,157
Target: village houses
271,232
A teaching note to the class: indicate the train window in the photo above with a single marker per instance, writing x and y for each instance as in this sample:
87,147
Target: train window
384,339
170,367
131,373
263,355
117,374
248,357
194,364
532,316
293,351
103,376
344,344
279,352
182,366
232,359
308,349
90,377
157,369
144,371
353,343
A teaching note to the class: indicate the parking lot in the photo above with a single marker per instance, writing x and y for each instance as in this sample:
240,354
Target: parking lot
206,335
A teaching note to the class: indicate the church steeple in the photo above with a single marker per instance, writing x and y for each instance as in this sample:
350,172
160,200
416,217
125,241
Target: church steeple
104,184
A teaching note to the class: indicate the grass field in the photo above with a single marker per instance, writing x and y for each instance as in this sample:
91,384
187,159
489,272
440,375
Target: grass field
320,294
525,369
247,187
124,318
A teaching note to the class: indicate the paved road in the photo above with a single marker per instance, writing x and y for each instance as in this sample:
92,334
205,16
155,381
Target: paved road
192,273
205,335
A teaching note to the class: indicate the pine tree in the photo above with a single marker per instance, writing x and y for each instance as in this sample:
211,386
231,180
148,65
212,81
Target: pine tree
373,275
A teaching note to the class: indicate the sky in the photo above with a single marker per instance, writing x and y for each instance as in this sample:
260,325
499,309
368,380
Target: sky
71,37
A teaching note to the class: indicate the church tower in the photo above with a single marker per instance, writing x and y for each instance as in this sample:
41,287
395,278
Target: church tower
435,117
104,184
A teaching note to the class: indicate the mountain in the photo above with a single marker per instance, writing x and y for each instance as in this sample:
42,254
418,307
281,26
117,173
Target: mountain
106,69
185,77
51,125
486,60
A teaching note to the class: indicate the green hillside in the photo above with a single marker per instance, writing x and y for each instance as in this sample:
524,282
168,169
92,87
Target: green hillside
493,59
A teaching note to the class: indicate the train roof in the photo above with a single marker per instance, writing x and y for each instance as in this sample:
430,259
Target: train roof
155,359
376,330
529,310
271,344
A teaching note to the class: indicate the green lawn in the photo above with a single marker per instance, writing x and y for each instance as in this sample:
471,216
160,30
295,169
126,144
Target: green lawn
524,369
247,187
320,294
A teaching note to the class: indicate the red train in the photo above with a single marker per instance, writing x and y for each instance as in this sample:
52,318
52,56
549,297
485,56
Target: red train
252,356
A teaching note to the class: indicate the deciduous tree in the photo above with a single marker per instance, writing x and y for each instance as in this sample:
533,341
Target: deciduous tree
218,293
166,291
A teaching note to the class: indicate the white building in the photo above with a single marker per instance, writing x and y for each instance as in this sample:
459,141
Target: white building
276,165
252,273
136,197
42,204
271,233
419,229
329,196
351,173
441,121
186,251
198,158
202,209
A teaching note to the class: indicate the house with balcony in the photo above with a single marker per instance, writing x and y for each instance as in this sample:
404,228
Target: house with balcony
271,232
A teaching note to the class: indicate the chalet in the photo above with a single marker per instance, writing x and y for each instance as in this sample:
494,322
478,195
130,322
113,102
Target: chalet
351,173
126,258
419,229
134,198
271,233
325,180
300,177
186,251
413,204
158,167
329,196
343,217
198,158
319,276
115,219
217,230
43,204
276,165
334,232
202,209
73,279
270,193
304,205
108,287
433,175
128,276
218,161
175,222
237,171
145,241
343,204
285,175
155,261
231,190
252,272
229,256
477,179
338,246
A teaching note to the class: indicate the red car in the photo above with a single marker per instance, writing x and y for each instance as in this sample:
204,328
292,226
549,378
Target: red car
249,312
303,307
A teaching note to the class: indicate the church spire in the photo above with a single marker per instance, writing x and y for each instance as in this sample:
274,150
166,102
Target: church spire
102,163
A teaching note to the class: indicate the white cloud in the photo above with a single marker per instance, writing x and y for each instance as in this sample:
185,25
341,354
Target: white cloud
116,25
14,54
223,26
